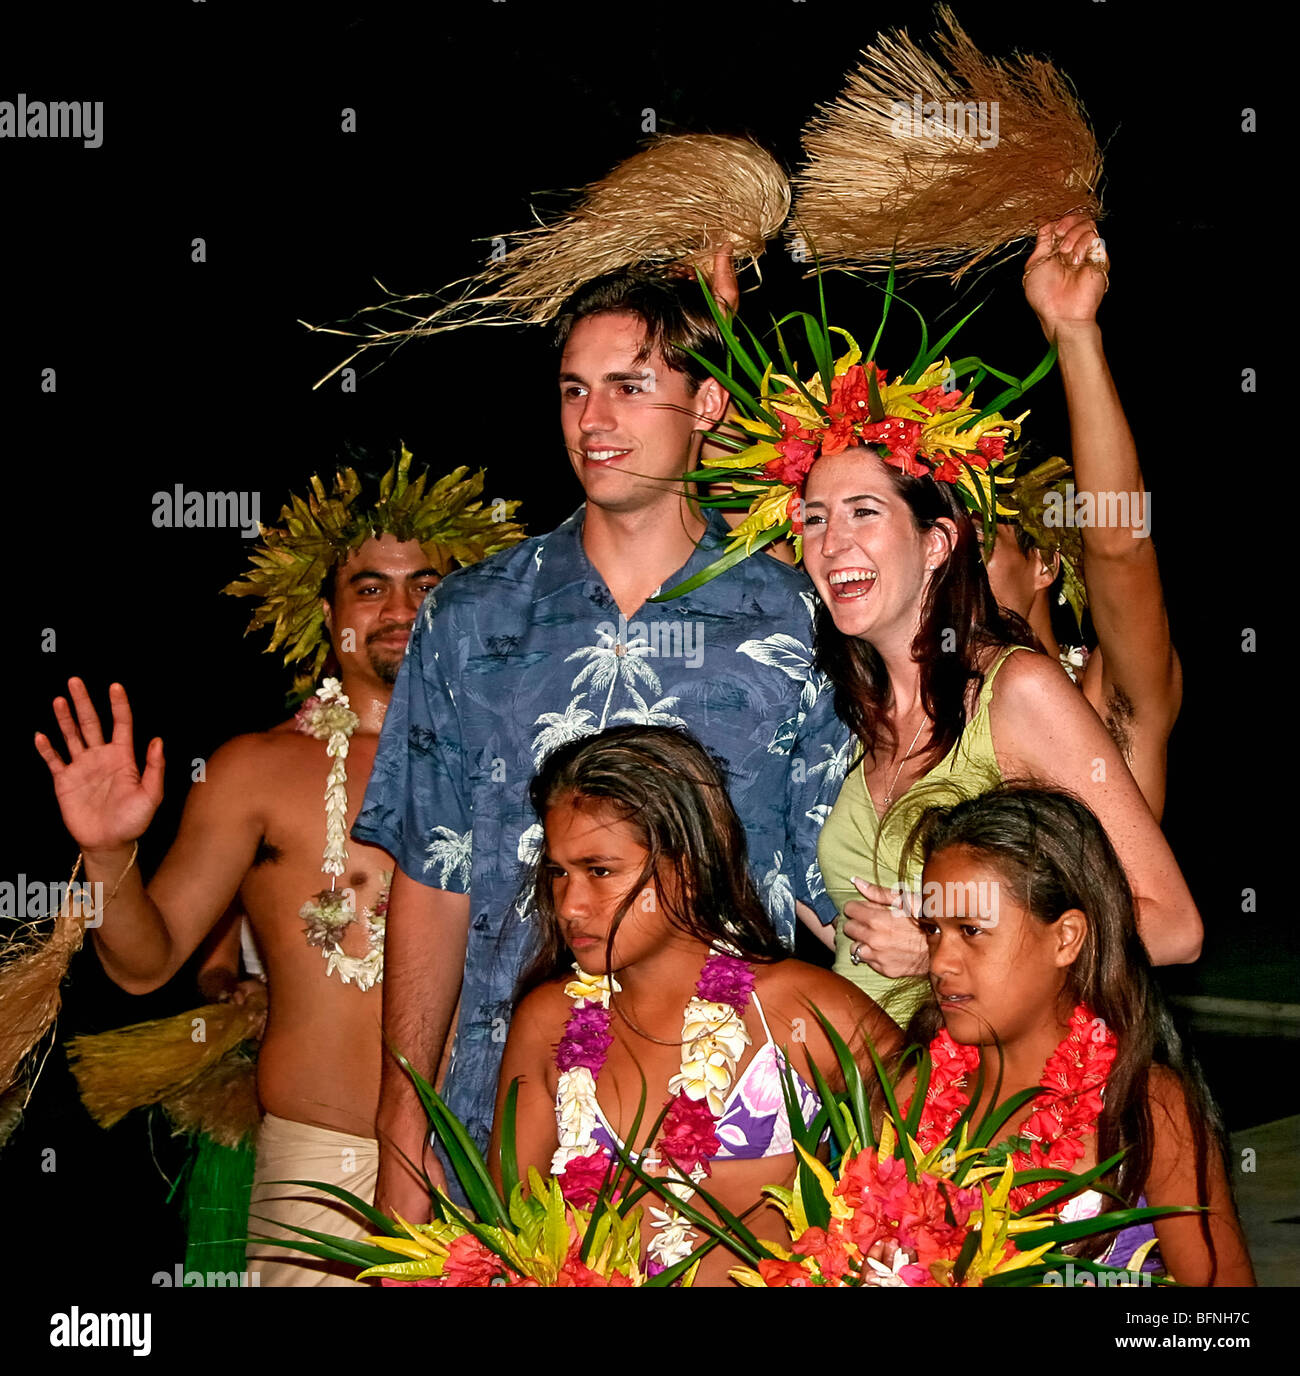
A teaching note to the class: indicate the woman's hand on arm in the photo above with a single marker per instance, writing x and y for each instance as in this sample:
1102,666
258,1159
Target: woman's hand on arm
883,930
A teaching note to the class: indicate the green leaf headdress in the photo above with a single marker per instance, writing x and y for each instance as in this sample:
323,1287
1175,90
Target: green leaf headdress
1028,497
317,534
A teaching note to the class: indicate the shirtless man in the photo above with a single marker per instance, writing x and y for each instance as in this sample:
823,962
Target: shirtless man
256,828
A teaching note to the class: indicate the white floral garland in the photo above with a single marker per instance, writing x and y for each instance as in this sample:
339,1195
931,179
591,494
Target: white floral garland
713,1041
328,716
575,1093
1074,658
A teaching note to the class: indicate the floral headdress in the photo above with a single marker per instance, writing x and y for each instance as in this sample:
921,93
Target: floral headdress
924,423
291,564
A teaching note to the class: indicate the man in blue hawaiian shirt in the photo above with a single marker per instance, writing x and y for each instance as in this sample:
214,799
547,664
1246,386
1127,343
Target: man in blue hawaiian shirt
553,640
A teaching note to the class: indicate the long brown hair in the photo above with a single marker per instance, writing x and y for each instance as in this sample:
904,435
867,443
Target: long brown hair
1052,854
673,793
960,620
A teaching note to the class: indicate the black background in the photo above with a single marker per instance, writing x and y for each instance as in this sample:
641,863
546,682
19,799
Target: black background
223,122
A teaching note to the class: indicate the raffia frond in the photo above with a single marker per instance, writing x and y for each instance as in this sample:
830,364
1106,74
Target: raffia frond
676,202
936,195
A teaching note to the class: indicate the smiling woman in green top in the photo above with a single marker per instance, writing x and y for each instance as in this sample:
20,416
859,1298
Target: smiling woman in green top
921,659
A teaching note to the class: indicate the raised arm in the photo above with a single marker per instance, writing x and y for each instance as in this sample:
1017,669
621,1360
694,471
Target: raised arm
1065,278
424,959
1042,728
107,804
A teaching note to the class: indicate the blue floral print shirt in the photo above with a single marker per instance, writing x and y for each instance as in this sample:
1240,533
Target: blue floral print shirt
527,650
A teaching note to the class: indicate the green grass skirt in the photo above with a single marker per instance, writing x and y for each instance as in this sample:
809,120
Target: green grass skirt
215,1206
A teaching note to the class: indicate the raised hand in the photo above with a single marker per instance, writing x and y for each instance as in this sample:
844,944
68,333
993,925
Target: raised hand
105,801
722,280
1067,274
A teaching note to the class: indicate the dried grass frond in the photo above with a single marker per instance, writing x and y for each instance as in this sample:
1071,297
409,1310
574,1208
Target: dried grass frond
31,971
222,1102
876,188
677,201
149,1062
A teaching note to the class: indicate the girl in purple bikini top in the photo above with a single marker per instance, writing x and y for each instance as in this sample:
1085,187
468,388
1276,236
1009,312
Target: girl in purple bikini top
754,1123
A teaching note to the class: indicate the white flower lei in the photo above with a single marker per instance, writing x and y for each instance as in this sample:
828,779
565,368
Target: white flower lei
713,1041
328,716
1073,658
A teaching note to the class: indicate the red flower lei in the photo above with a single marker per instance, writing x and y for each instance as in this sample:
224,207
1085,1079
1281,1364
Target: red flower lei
1075,1075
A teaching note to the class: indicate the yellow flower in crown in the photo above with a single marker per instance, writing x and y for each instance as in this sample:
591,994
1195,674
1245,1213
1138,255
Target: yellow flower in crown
923,422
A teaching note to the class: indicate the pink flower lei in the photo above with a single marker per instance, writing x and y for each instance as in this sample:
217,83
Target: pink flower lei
713,1032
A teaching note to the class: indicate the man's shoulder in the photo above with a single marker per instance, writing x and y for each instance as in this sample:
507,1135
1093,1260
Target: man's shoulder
250,767
257,749
509,572
780,589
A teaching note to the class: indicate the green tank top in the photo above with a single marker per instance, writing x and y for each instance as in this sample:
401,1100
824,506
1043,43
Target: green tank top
856,841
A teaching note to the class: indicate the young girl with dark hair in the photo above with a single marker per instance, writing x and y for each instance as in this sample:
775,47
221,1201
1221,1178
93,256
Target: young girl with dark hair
680,988
1037,971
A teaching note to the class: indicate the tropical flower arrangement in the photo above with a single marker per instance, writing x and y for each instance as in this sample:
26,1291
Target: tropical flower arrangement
533,1233
928,1200
953,1208
924,422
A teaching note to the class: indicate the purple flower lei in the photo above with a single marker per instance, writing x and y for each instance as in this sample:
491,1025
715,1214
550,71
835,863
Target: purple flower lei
726,979
586,1039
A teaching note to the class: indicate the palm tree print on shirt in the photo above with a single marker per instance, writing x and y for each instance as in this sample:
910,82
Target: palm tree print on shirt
613,662
454,852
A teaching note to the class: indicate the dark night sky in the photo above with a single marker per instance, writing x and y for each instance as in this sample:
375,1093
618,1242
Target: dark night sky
222,123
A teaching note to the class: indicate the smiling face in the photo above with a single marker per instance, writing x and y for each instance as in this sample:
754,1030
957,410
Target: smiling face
377,593
593,862
863,550
631,427
994,967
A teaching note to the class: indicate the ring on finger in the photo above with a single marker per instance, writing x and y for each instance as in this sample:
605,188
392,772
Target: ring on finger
855,955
